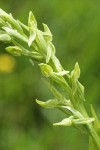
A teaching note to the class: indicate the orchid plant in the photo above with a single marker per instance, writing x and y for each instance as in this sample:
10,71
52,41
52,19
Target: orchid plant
68,92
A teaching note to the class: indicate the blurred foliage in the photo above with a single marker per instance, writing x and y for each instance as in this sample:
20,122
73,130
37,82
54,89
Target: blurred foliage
7,63
23,124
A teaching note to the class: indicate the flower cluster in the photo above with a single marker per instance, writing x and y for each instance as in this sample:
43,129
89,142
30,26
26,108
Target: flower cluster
68,91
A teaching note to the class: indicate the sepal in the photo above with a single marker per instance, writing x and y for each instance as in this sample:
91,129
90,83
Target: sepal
75,74
65,122
48,104
47,33
61,73
32,24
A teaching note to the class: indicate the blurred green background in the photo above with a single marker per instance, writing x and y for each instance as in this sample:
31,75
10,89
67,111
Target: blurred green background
75,26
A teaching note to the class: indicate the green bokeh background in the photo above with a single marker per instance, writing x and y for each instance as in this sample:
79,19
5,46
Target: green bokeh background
75,25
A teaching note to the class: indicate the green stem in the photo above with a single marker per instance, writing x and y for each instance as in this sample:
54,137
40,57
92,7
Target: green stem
91,130
94,135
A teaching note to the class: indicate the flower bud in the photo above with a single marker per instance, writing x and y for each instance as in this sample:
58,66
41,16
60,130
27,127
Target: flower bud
48,104
14,50
75,74
46,70
65,122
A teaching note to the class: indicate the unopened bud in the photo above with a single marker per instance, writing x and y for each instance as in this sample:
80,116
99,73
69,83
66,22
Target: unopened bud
65,122
48,104
46,70
14,50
